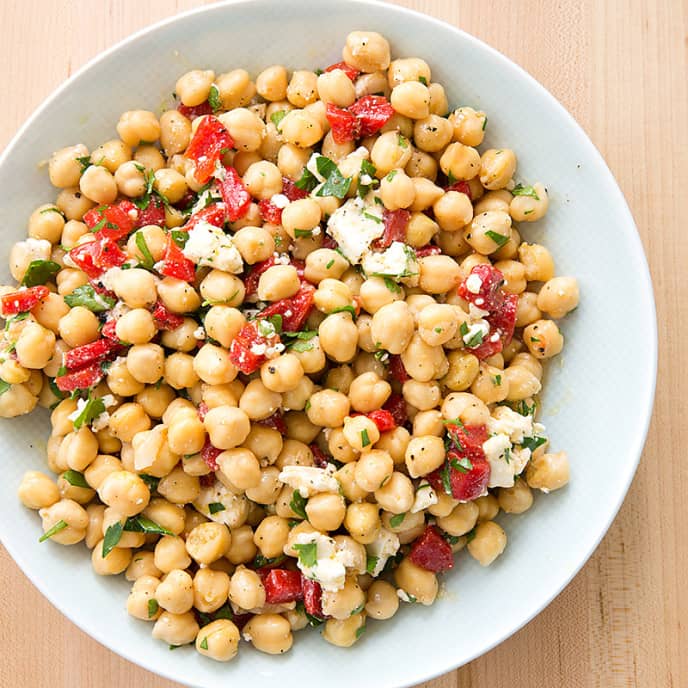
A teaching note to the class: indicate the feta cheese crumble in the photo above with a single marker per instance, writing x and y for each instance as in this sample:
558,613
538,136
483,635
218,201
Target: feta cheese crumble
385,545
354,226
473,284
514,425
309,480
481,327
279,201
209,245
235,505
330,566
425,497
395,261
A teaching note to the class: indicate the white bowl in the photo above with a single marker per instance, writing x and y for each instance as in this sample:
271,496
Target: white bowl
598,396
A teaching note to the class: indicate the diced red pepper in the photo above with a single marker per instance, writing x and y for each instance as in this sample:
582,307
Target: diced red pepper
235,195
215,215
165,319
282,586
209,454
202,410
468,439
431,551
329,242
112,221
461,187
176,264
396,222
95,257
397,369
276,422
88,354
240,620
490,295
291,191
207,146
373,112
270,212
383,419
23,300
319,456
152,214
294,310
350,71
312,598
344,124
503,320
80,379
109,329
396,405
195,111
427,250
207,480
486,349
242,349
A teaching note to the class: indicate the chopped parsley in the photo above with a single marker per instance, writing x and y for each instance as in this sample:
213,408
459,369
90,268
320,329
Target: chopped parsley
277,117
85,162
88,297
298,504
374,218
423,80
367,168
533,443
402,141
371,563
462,465
397,520
485,123
52,209
365,440
214,507
75,478
391,175
335,185
60,525
520,190
92,409
142,246
345,309
39,272
360,631
214,99
112,537
499,239
497,380
204,643
153,607
308,554
329,264
298,233
150,480
144,201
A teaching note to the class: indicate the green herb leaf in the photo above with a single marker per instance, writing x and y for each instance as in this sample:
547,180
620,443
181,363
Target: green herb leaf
381,355
4,386
75,478
325,166
402,141
525,410
451,179
214,98
329,264
52,210
345,309
371,563
204,643
307,181
112,537
142,524
60,525
150,480
470,535
144,201
520,190
533,443
153,607
214,507
88,297
336,184
358,609
85,162
360,631
485,123
499,239
475,340
308,553
423,80
224,612
397,520
298,504
463,329
462,465
301,345
39,272
260,561
497,380
92,409
298,233
142,246
374,218
365,440
179,237
446,479
277,117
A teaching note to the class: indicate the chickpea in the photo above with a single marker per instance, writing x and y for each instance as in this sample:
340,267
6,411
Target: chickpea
334,87
438,274
220,287
128,420
208,542
125,492
78,327
522,383
324,263
360,432
149,157
367,51
178,296
543,339
178,487
258,402
278,282
246,128
466,407
17,401
420,230
421,164
423,362
391,150
468,126
271,83
548,472
490,385
270,633
176,629
170,554
373,469
530,208
372,84
437,323
392,327
64,169
235,89
47,223
424,454
213,365
338,336
460,520
73,203
240,467
344,632
169,516
35,346
488,543
422,395
326,511
462,162
37,490
291,159
300,128
219,640
135,327
488,231
538,262
282,374
411,99
432,133
228,427
211,589
382,602
362,520
453,211
527,311
139,600
98,184
175,132
303,214
175,593
263,180
368,392
497,167
142,564
254,243
116,561
78,449
558,296
414,580
516,499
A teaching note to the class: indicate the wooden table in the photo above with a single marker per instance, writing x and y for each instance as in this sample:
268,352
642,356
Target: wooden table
620,66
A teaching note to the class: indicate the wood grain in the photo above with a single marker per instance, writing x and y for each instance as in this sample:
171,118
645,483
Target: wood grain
620,66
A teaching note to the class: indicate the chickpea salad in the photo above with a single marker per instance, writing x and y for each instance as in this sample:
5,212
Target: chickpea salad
292,341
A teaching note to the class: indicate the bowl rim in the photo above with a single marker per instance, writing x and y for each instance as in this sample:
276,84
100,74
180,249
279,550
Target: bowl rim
582,140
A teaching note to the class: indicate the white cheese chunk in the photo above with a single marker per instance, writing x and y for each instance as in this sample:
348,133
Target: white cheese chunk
476,313
425,497
498,454
354,226
481,327
312,166
385,545
209,245
473,284
235,506
395,261
309,480
510,423
279,201
330,568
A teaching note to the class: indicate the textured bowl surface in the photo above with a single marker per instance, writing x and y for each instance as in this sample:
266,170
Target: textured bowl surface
599,393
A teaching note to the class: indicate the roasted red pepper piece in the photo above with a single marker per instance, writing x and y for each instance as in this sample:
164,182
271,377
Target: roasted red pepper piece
372,112
202,410
276,422
23,300
291,191
152,214
166,319
88,354
207,146
461,187
207,480
215,215
176,264
282,586
294,310
95,257
383,419
209,454
270,212
431,551
80,379
312,598
195,111
396,405
319,456
243,349
111,221
235,195
350,71
344,124
427,250
109,329
490,296
396,222
503,320
397,369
